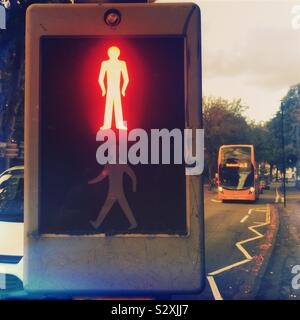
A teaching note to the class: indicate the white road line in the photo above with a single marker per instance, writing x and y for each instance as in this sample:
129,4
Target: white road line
214,200
250,212
239,244
243,250
277,198
258,235
214,288
244,219
228,267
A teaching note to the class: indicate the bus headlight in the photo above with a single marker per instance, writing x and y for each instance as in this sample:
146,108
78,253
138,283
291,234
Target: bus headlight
252,190
220,189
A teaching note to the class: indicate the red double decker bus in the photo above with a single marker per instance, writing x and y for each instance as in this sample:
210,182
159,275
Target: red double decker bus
238,178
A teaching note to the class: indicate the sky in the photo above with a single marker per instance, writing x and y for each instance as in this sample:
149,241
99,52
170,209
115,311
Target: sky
251,51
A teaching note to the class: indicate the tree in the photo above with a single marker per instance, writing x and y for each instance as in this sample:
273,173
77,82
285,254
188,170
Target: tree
12,65
224,123
265,145
290,104
12,42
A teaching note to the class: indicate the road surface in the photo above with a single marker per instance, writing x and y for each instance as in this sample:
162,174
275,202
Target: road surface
280,282
239,238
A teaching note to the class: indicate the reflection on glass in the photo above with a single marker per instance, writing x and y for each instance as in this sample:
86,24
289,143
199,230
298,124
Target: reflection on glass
11,196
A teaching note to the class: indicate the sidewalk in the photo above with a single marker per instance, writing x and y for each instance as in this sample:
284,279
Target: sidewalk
277,282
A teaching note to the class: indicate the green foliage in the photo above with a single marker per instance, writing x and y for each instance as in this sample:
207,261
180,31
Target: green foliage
290,105
225,123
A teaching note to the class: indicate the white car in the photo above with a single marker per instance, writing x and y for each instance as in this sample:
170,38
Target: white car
11,228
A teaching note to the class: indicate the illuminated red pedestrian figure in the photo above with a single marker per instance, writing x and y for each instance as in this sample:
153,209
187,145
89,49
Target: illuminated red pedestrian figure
115,173
113,69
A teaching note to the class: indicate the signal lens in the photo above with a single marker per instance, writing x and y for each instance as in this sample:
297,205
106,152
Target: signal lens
112,17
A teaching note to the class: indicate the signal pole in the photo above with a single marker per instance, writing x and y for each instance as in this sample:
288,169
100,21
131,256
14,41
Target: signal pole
283,156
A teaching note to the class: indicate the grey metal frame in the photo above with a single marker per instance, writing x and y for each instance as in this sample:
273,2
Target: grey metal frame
130,263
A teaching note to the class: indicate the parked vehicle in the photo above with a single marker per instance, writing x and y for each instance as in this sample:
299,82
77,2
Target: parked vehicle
11,228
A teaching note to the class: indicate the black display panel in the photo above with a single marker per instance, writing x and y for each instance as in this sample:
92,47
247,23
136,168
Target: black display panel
72,110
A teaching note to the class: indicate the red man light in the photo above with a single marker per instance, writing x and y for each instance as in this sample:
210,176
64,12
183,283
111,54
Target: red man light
113,69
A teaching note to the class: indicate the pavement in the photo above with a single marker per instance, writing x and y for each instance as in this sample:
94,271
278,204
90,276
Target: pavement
277,281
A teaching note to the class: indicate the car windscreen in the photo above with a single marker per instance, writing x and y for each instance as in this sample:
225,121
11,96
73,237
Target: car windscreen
12,197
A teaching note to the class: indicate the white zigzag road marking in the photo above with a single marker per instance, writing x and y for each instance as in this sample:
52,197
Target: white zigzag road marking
239,245
214,288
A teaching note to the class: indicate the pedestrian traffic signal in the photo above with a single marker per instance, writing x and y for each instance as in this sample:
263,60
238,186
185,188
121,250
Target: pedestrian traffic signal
72,113
21,150
11,150
113,112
